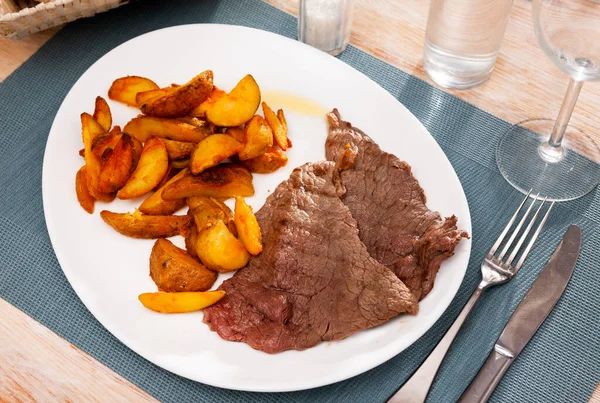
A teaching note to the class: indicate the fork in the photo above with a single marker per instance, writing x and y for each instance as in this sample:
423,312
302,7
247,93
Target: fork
494,270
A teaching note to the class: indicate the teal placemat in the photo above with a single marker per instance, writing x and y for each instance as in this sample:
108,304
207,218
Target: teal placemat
561,364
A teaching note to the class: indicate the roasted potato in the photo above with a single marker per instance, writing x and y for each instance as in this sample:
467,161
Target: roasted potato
268,162
219,250
200,110
237,107
155,205
106,141
237,133
141,226
117,166
179,149
258,138
151,168
191,238
179,302
181,101
143,127
91,129
171,172
85,199
206,211
144,97
181,164
279,128
102,113
125,89
224,180
173,270
247,227
212,150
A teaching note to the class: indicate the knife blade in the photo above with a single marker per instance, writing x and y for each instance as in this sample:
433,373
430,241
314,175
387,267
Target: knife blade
528,317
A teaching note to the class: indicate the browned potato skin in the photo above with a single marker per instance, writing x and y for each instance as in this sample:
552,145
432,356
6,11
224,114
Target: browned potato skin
247,227
183,99
183,163
102,113
146,96
143,127
90,129
106,141
155,205
258,138
206,211
173,270
279,128
141,226
125,89
222,181
268,162
179,149
117,167
152,167
212,150
85,199
219,250
191,238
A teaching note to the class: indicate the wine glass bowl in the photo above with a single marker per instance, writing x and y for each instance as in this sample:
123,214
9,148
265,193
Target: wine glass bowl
551,157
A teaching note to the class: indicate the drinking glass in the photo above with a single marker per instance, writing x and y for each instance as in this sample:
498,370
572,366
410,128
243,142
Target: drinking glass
553,158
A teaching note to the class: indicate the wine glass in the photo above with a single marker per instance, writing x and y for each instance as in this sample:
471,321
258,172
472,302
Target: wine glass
552,158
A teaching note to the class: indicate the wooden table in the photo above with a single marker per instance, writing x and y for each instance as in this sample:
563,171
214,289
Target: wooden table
38,365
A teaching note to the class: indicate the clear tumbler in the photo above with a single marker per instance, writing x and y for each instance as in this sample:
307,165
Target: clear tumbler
462,40
325,24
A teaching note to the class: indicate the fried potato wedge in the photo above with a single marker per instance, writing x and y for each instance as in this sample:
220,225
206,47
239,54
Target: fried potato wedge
247,227
102,113
143,127
237,133
173,270
200,110
268,162
238,106
85,199
279,128
219,250
90,130
137,225
146,96
258,138
224,180
212,150
206,211
181,164
180,302
178,149
155,205
125,89
191,238
151,168
181,101
117,166
106,141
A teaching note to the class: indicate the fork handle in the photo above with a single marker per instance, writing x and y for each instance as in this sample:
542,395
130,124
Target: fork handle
415,390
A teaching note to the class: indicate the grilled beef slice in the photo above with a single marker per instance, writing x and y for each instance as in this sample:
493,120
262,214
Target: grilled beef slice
314,280
389,206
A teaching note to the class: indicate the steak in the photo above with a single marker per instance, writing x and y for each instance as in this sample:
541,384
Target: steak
389,206
314,280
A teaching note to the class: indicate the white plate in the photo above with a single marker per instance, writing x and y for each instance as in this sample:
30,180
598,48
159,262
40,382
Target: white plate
108,270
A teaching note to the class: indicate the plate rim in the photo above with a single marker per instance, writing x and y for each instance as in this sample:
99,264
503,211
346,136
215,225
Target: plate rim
466,222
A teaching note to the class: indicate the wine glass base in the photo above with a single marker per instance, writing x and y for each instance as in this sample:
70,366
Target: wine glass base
527,162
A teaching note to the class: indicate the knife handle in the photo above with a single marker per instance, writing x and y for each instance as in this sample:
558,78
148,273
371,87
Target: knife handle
490,374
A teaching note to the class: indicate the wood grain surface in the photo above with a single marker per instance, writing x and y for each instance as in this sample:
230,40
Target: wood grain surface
37,365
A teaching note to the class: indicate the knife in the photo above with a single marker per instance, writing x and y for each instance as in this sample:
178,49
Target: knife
527,318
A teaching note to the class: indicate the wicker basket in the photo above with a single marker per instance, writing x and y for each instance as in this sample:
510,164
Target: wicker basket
50,14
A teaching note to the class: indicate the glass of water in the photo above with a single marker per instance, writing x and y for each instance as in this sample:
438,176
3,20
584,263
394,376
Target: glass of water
462,40
552,157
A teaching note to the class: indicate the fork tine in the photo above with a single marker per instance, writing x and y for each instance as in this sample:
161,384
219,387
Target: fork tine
533,238
525,233
517,229
505,231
